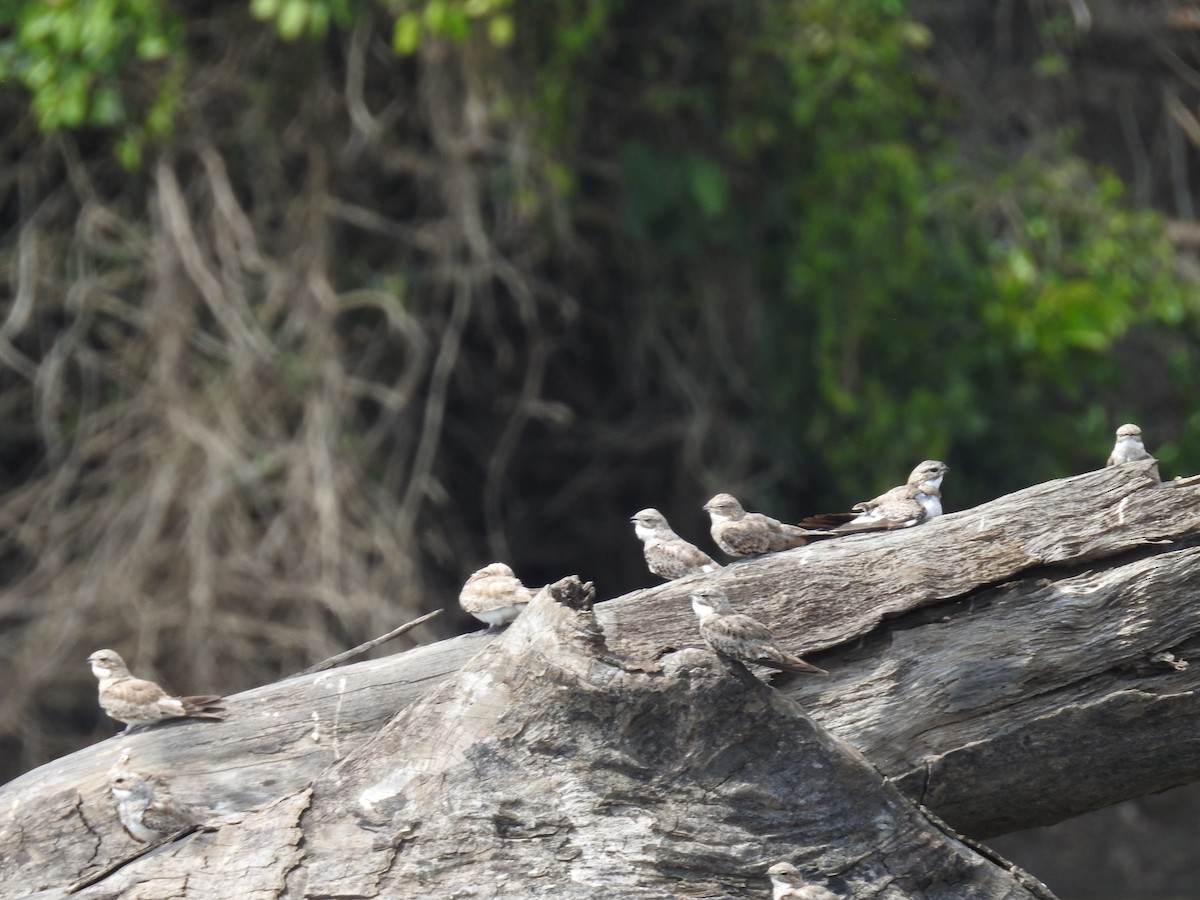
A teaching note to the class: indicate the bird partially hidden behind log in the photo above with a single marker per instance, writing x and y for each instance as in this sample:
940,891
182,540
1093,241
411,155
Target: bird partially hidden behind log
138,702
740,533
913,503
1129,446
789,884
148,814
494,595
741,638
667,554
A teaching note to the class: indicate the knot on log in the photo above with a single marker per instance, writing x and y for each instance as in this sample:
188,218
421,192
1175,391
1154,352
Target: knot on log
573,593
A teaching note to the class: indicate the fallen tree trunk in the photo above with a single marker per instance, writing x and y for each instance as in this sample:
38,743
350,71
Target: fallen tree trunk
1007,666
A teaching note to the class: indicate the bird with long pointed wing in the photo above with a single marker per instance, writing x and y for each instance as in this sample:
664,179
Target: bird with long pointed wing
147,814
739,637
740,533
913,503
138,702
667,554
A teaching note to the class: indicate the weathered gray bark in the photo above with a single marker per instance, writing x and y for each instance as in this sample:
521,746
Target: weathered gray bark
1005,665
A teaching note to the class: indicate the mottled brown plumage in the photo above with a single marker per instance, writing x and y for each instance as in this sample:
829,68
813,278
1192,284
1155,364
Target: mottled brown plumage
913,503
740,533
138,702
667,554
740,637
494,595
146,813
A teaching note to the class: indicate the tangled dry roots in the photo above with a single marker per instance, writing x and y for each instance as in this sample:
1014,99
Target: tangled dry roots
224,453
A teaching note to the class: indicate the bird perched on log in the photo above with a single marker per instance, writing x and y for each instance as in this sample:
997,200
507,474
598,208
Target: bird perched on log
667,554
735,636
494,595
741,533
789,884
913,503
1129,446
138,702
147,814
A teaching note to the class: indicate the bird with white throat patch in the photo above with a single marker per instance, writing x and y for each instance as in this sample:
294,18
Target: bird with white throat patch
147,813
1129,446
739,637
138,702
915,502
667,554
740,533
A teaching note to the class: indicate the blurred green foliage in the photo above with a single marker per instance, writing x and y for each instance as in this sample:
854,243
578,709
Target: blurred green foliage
905,300
96,63
303,18
451,19
910,301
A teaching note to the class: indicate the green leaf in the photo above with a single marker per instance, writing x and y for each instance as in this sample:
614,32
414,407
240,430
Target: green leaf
406,36
318,19
292,18
708,187
501,30
129,151
436,12
265,9
107,108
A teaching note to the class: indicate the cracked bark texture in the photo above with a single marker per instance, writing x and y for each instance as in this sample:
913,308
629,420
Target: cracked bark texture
1007,666
549,767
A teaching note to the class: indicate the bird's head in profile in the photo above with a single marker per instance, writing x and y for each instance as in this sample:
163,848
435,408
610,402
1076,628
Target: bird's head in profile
125,783
784,874
724,508
107,662
709,600
928,475
649,523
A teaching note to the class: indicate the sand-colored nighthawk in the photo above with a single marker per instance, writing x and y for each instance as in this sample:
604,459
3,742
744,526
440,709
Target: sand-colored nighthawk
789,884
741,533
494,595
740,637
138,702
667,554
1129,446
147,813
913,503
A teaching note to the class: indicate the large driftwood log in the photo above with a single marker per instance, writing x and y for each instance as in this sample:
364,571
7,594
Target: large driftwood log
1009,665
549,767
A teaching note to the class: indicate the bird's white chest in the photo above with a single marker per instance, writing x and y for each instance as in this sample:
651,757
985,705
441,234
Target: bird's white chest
500,615
133,822
1128,448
